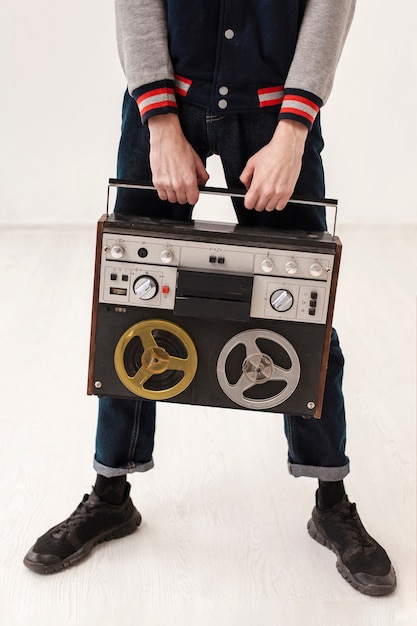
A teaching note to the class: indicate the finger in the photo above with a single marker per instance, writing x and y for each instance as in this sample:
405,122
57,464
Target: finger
162,194
247,175
251,200
282,202
272,203
172,195
178,194
201,172
192,193
252,197
264,202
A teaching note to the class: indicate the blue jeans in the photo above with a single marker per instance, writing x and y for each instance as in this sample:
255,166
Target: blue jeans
126,427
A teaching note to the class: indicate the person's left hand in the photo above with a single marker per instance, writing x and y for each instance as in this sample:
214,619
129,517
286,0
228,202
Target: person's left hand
271,174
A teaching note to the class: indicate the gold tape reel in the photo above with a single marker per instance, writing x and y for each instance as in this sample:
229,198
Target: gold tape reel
155,359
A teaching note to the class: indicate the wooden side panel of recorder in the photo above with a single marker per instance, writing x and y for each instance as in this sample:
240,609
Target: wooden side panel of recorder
96,288
329,321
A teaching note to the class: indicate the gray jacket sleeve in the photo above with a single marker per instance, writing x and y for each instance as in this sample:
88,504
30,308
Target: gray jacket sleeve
142,41
321,39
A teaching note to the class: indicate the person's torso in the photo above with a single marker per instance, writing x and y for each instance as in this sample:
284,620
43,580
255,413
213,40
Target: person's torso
229,53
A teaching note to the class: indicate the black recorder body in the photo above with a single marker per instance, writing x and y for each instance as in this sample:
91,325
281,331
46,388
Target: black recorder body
212,314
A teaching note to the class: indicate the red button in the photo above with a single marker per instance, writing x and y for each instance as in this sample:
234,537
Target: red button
165,289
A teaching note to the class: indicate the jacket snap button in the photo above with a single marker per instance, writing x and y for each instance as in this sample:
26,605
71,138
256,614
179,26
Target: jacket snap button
229,33
223,91
222,104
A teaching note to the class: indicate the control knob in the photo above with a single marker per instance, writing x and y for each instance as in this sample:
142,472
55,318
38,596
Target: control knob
291,267
316,270
166,256
282,300
267,266
117,251
145,287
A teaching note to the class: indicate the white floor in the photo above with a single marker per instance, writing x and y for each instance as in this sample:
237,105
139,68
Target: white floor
224,537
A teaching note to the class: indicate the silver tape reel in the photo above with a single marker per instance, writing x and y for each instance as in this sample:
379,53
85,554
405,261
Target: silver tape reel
258,368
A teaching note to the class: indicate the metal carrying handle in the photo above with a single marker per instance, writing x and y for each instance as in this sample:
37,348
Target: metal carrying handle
220,191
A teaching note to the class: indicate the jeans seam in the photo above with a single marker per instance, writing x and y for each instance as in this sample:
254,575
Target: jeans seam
213,117
135,430
289,436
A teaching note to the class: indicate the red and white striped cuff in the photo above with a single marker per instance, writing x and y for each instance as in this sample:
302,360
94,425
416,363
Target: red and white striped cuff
156,101
302,107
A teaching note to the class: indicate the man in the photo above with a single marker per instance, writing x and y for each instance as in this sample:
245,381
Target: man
245,81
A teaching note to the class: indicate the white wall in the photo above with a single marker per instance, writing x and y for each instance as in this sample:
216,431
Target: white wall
60,114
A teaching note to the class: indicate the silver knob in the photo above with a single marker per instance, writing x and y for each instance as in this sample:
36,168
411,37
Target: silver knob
291,267
117,251
316,270
166,256
145,287
267,266
282,300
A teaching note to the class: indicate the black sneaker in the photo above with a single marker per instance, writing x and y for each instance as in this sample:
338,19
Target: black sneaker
92,522
360,559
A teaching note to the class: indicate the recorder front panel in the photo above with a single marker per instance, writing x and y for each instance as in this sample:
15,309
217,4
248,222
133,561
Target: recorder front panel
143,272
212,314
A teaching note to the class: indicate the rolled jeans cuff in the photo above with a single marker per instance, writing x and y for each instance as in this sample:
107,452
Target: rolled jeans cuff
330,474
109,472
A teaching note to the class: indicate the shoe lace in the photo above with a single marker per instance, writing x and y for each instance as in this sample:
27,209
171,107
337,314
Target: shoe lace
354,529
81,513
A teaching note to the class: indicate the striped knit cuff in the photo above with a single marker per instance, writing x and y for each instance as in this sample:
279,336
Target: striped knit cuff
301,106
155,99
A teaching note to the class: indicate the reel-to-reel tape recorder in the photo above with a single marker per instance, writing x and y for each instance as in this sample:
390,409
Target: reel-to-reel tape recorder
212,314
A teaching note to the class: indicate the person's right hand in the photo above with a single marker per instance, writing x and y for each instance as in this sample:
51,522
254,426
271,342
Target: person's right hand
177,170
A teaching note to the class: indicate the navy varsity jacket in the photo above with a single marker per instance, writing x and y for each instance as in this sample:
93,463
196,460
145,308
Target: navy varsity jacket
232,55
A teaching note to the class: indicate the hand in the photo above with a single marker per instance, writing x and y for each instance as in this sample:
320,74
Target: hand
177,170
271,174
